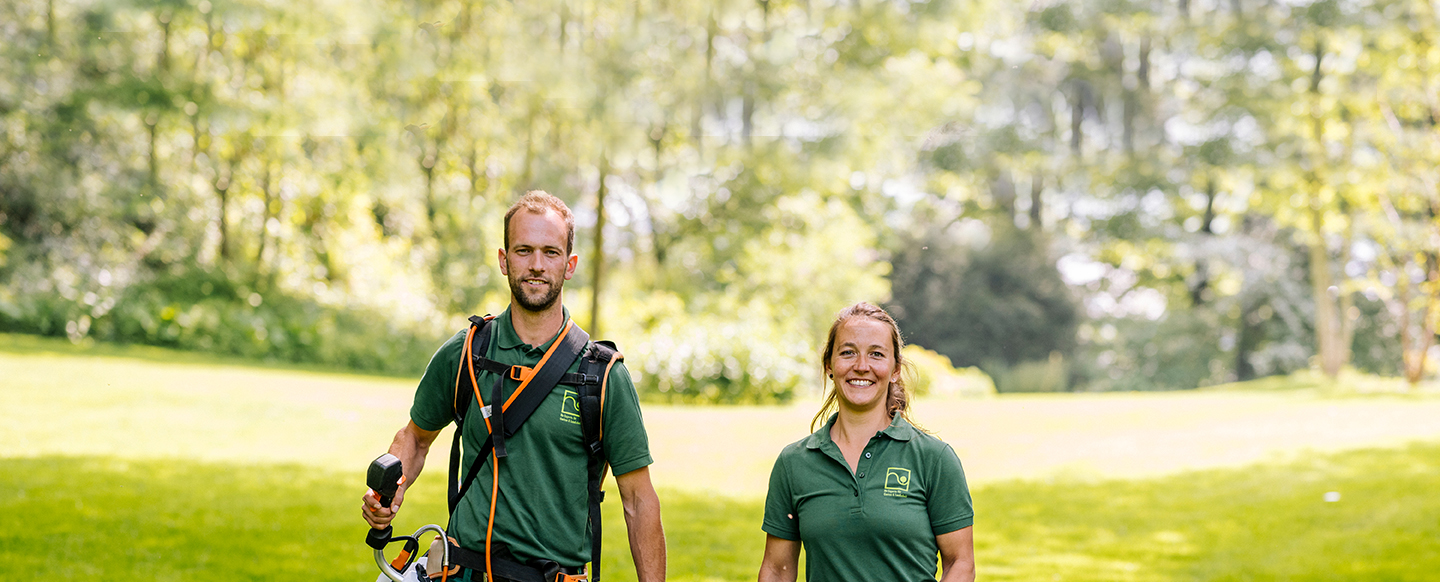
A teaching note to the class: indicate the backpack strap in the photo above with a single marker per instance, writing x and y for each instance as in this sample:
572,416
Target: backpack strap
477,340
590,380
535,384
594,376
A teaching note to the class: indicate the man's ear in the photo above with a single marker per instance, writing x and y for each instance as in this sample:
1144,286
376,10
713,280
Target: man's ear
504,267
570,266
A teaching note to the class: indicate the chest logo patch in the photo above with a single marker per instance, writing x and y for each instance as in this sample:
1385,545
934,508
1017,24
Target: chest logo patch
570,407
897,482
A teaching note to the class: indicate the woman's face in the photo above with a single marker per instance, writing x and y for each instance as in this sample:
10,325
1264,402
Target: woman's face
862,362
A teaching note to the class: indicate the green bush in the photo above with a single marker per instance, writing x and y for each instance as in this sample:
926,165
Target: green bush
933,374
709,360
206,311
1052,375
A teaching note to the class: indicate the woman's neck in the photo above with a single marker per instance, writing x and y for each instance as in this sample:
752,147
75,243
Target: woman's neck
858,425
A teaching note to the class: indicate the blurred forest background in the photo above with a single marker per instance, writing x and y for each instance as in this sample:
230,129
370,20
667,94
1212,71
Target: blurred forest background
1099,195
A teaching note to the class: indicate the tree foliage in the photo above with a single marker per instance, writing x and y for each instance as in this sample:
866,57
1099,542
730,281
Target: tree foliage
316,180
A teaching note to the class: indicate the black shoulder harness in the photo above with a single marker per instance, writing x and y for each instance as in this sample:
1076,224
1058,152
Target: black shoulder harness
590,380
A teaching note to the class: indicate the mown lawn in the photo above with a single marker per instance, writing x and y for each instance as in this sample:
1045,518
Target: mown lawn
120,468
89,518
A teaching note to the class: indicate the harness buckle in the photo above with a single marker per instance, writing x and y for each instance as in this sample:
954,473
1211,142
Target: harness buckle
521,373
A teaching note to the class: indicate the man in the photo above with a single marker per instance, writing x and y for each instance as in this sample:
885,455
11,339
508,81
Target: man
541,510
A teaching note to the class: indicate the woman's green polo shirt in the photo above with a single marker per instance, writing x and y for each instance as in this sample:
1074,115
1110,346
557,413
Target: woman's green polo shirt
877,523
543,506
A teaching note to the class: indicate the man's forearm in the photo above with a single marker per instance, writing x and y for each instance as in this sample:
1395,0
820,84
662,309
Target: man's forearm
647,538
411,447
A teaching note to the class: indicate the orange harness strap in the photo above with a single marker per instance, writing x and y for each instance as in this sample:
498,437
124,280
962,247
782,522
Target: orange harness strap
527,374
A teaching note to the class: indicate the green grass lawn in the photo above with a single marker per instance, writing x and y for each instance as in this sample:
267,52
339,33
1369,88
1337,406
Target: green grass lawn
123,467
84,518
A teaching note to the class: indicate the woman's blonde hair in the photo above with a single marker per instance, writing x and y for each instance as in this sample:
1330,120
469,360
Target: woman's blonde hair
898,399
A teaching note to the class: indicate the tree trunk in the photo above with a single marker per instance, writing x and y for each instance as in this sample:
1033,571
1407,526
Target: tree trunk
1077,115
222,192
50,25
268,184
526,170
1142,72
479,178
164,57
1327,328
1247,340
1002,191
697,122
1132,108
1346,313
154,123
1037,187
597,261
427,165
1199,289
1415,340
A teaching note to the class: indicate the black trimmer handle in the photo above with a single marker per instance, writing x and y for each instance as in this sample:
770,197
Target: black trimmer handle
378,538
384,477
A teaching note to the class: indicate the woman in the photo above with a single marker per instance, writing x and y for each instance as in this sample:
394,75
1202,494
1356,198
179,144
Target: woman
870,496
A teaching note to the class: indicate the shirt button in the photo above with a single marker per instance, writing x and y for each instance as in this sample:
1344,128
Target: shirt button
867,455
862,474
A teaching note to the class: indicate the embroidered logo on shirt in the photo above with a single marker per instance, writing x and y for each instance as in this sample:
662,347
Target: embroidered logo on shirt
570,407
897,482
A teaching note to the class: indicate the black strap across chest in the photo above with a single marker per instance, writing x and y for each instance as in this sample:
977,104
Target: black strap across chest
550,374
589,381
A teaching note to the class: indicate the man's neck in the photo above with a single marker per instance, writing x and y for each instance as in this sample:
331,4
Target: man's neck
537,327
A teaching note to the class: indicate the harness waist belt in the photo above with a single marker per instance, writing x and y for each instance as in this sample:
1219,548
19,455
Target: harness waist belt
506,568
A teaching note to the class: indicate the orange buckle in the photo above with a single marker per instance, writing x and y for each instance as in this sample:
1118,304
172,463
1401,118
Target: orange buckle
521,373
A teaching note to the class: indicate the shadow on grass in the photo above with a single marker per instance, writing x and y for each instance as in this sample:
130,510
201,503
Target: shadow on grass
1265,522
88,518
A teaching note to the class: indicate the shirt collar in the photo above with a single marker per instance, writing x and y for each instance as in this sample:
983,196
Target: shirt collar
507,339
899,429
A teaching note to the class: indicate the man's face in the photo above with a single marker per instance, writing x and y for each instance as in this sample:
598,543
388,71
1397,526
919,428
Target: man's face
536,264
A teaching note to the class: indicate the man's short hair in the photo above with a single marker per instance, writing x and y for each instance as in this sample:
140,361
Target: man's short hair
539,201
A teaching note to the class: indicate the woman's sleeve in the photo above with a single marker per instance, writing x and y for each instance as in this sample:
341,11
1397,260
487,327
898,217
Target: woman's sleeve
949,502
781,518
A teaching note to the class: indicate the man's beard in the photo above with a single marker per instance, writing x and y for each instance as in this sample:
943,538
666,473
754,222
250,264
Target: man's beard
518,294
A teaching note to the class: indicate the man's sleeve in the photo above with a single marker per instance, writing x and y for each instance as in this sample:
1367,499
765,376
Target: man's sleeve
433,408
949,502
781,517
627,446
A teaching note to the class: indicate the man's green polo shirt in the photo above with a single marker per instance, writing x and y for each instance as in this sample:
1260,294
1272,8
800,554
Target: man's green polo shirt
543,506
877,523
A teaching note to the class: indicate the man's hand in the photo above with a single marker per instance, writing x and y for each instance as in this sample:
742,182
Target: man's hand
378,517
411,445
